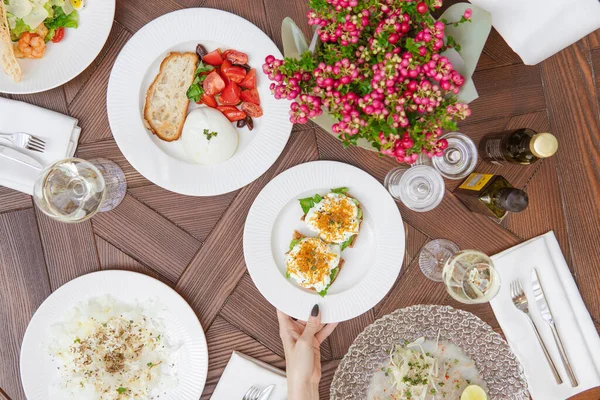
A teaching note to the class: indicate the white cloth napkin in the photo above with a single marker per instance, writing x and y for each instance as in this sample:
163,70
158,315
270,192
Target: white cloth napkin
537,29
572,319
60,132
242,372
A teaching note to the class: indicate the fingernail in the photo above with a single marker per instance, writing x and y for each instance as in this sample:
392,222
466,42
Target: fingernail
315,311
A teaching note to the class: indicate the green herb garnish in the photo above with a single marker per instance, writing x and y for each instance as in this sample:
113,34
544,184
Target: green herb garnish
121,390
77,340
209,135
150,364
203,68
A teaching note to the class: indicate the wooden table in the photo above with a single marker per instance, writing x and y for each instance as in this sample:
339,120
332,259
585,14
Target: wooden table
194,244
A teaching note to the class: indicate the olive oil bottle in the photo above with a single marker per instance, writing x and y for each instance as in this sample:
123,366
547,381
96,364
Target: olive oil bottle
521,146
491,195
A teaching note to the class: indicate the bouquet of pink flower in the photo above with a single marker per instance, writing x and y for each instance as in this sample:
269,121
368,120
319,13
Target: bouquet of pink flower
379,73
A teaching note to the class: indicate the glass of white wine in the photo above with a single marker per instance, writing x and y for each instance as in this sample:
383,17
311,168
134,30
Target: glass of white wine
470,277
74,190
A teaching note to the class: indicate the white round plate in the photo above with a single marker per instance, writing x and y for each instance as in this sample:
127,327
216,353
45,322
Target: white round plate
65,60
38,371
371,266
165,163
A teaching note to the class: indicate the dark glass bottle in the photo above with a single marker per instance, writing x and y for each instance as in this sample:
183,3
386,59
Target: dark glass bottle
521,146
491,195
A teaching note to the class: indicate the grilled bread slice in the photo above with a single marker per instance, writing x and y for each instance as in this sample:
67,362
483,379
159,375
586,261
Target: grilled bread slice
166,101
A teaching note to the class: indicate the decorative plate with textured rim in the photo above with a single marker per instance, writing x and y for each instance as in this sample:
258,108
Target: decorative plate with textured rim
65,60
371,266
164,163
494,359
38,371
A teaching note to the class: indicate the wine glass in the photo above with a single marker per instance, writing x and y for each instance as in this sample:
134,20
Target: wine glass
74,190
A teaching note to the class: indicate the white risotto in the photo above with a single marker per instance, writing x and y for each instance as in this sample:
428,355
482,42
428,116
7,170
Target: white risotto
108,350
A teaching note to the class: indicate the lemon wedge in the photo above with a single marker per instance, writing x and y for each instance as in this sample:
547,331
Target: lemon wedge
473,392
77,4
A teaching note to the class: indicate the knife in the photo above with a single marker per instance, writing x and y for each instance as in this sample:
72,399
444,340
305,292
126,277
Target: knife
544,308
19,157
266,393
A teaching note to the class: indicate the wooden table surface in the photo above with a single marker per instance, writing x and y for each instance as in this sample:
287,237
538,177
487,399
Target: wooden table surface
194,244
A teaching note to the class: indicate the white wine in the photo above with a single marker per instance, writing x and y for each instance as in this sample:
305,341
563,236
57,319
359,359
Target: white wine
470,277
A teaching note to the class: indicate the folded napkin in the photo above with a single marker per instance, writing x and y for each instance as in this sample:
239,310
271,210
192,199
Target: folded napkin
60,132
572,319
537,29
242,372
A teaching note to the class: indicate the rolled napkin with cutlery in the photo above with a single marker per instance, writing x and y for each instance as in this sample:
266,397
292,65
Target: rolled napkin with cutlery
537,29
60,132
570,316
243,372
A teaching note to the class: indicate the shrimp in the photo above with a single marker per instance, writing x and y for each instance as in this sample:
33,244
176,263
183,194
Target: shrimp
32,45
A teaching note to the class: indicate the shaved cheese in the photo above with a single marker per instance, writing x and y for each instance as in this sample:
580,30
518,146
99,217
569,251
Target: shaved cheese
19,8
68,7
37,16
12,22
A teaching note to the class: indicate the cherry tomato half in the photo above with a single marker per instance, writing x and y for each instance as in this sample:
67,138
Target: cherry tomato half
231,95
249,81
235,74
252,109
250,95
213,58
58,35
232,113
208,100
213,84
236,57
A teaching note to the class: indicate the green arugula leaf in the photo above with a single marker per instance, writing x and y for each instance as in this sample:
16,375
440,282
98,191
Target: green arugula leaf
332,276
294,242
347,242
309,202
341,190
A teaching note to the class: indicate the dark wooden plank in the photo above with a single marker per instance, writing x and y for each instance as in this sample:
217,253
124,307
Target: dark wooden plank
70,249
23,287
594,39
74,86
254,12
415,239
223,339
113,258
507,91
53,99
247,309
595,54
219,265
13,200
592,394
575,120
497,49
108,149
196,215
3,395
278,10
89,106
328,369
146,236
133,14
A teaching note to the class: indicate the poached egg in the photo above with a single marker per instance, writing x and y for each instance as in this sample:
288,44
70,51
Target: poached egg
208,137
311,261
336,218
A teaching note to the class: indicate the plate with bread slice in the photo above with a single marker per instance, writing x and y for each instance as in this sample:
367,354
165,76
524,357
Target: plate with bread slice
324,232
188,104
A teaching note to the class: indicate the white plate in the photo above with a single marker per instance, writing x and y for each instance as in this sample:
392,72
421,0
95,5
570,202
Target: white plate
65,60
38,371
165,163
371,266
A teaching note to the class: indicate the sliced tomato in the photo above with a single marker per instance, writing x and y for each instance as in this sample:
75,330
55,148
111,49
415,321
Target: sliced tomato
249,81
250,95
59,34
226,64
231,94
222,74
213,84
213,58
235,74
208,100
236,57
232,113
252,109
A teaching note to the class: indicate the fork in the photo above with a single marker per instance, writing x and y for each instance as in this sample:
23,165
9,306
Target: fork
252,394
520,301
25,140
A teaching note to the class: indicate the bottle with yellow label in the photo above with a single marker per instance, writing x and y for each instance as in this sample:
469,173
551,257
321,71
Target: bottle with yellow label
491,195
521,146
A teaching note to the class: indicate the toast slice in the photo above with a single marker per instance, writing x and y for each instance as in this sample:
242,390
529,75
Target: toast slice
166,103
7,55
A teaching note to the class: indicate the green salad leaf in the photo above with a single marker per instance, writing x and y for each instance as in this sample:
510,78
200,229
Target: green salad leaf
347,242
309,202
195,91
341,190
19,29
332,276
60,20
294,242
203,68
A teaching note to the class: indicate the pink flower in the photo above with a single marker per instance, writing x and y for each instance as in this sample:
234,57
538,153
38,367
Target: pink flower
468,13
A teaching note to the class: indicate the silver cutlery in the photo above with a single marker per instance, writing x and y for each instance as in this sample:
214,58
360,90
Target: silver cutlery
266,393
544,307
520,301
19,157
252,393
25,140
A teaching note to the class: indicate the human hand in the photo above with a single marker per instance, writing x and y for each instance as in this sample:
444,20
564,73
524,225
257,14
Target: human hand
302,346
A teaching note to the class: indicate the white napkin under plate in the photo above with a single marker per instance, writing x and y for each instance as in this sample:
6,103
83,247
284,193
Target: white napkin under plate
60,132
537,29
572,319
242,372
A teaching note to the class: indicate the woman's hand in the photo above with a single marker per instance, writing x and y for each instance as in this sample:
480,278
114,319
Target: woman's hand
302,342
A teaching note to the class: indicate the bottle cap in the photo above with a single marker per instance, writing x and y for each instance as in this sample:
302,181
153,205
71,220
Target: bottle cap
543,145
513,200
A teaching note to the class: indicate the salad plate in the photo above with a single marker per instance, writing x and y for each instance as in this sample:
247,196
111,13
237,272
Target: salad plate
372,261
480,355
90,296
66,59
148,58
